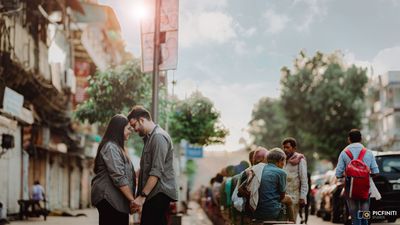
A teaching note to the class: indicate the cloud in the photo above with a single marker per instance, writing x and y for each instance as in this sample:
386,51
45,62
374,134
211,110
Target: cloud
205,27
240,47
315,9
250,32
203,5
235,102
275,22
385,60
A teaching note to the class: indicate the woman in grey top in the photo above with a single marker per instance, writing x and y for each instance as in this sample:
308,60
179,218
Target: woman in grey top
114,182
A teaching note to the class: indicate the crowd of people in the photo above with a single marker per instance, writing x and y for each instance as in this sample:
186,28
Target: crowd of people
275,186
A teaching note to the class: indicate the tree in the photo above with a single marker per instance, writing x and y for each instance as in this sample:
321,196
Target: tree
268,124
322,100
196,121
115,91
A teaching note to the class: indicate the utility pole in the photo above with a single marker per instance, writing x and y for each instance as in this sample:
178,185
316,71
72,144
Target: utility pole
156,61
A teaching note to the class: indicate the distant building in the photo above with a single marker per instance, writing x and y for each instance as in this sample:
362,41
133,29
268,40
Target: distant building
383,112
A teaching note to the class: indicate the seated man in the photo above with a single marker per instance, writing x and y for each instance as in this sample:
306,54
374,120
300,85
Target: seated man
272,190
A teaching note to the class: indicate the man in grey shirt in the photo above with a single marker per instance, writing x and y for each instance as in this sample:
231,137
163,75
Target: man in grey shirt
157,185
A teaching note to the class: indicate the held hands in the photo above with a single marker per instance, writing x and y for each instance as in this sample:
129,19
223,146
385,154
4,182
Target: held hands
137,204
132,207
302,202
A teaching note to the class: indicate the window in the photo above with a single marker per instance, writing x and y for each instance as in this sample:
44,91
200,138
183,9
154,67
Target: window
389,164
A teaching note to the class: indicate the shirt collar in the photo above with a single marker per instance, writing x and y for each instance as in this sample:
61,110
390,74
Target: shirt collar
355,145
147,136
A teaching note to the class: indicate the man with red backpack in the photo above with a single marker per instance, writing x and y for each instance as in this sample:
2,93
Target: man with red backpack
357,164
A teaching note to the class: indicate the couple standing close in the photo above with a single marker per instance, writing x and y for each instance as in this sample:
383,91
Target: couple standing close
114,183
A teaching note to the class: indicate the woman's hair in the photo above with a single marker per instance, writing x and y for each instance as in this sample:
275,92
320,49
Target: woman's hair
114,133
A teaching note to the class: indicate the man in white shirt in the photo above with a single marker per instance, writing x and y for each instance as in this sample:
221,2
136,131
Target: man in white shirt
296,169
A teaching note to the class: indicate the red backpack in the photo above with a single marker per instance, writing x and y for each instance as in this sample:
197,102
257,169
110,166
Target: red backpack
357,177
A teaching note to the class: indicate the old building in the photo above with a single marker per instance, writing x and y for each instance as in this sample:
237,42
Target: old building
383,112
47,51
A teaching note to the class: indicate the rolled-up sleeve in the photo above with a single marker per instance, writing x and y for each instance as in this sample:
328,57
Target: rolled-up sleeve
373,166
115,165
160,150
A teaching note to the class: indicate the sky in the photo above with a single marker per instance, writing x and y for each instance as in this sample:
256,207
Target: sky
232,50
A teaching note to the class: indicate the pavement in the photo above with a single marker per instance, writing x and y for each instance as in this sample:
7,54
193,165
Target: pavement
195,216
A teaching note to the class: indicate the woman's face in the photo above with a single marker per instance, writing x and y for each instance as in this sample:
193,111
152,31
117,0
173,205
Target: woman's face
127,131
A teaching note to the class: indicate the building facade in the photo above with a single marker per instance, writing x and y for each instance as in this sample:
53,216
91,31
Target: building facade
47,51
383,112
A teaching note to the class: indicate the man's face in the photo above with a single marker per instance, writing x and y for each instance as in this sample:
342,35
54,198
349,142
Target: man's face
281,164
289,150
138,127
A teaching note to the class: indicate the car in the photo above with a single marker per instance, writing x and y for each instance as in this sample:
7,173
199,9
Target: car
387,183
316,182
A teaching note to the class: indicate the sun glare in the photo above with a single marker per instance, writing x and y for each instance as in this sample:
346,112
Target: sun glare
140,11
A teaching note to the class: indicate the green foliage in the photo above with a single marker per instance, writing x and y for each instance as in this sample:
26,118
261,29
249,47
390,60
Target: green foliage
196,120
115,91
268,123
322,101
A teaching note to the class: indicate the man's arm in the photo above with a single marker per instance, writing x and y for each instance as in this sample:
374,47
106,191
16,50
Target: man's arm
43,194
160,150
340,166
303,181
148,187
374,166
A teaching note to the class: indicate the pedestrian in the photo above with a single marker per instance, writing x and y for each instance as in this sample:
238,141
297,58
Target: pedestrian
113,185
272,189
37,195
37,192
296,169
157,185
357,151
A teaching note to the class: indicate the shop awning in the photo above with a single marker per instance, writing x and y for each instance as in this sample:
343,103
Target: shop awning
94,13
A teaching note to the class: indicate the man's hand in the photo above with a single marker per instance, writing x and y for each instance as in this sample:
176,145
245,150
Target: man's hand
138,202
302,202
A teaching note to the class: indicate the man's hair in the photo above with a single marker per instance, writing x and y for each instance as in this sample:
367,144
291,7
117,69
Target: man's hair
355,136
260,155
276,155
36,182
291,141
139,111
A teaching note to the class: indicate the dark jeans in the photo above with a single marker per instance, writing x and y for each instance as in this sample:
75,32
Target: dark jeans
155,210
356,207
110,216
